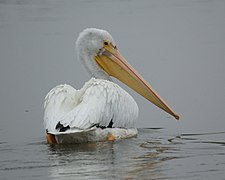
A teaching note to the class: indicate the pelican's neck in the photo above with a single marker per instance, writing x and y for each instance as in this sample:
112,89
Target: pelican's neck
100,74
92,67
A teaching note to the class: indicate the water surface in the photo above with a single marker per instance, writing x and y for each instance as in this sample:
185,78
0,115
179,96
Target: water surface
149,156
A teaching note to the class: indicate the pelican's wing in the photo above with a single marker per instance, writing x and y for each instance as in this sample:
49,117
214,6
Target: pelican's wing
59,102
102,102
92,110
97,103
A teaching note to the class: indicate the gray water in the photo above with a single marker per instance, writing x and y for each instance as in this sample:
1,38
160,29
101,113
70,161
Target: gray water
179,48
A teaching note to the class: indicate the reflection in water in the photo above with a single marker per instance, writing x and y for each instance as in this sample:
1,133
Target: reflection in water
149,156
154,154
149,163
125,159
82,160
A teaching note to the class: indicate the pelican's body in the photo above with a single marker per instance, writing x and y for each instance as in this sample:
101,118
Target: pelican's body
90,110
101,110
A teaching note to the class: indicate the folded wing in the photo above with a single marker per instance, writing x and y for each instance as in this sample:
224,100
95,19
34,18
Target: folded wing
98,103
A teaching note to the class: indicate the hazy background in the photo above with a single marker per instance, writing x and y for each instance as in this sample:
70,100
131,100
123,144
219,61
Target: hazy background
178,46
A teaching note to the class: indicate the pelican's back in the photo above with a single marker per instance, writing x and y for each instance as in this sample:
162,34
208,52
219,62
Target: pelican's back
98,103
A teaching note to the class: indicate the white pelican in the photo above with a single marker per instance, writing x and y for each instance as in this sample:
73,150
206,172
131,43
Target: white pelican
101,110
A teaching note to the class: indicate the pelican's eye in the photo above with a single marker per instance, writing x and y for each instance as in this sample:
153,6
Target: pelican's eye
106,43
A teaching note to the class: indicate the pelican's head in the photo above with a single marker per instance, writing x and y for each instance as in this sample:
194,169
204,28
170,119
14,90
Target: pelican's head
88,45
97,49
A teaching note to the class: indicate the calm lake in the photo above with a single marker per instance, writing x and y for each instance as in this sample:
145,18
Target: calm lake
179,48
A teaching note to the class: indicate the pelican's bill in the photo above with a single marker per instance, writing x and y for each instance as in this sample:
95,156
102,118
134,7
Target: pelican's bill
113,63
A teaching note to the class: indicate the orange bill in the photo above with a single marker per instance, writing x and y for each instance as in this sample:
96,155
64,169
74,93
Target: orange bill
113,63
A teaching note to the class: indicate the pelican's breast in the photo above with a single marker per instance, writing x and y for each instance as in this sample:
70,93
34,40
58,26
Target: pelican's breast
99,102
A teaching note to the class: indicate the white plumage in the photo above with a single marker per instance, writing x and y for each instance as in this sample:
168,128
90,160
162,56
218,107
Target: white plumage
101,109
97,103
93,106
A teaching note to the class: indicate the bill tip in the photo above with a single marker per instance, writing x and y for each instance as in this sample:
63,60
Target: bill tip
177,116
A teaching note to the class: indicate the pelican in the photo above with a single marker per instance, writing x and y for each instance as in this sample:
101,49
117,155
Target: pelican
101,110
